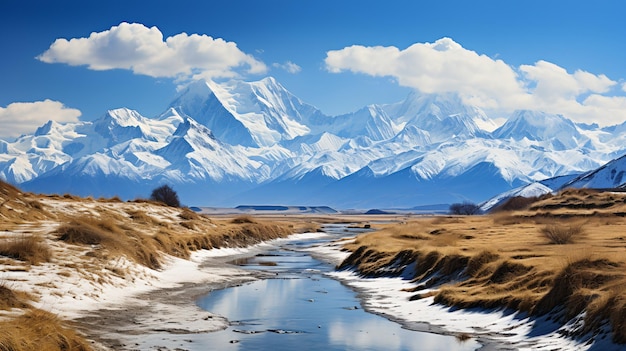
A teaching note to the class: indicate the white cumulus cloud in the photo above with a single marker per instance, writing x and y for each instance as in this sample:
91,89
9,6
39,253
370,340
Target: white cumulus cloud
289,67
445,66
442,66
143,50
23,117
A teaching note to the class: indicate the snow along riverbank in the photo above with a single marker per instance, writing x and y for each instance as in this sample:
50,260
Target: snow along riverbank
498,329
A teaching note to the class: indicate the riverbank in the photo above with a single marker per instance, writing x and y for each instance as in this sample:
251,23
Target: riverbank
117,271
502,277
64,258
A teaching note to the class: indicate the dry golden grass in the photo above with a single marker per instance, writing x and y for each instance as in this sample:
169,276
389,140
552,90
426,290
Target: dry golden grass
242,219
562,234
90,242
27,248
39,330
509,259
18,207
11,299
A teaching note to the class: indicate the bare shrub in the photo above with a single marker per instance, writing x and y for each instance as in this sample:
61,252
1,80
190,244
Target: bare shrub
464,209
562,234
165,194
28,248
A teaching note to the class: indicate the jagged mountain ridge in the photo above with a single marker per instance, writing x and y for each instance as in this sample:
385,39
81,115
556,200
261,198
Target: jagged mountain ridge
256,143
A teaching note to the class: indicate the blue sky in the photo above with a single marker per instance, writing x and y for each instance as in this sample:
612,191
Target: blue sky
559,56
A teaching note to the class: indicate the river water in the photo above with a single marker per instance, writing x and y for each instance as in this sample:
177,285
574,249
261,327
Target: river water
300,308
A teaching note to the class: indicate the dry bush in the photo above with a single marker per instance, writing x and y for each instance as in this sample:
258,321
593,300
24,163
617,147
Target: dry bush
27,248
39,330
465,209
166,195
562,234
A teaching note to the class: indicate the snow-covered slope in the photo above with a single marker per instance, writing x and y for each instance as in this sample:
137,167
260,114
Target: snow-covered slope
561,132
238,142
609,176
251,114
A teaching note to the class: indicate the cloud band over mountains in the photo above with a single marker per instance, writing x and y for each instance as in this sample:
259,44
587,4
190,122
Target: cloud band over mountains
445,66
22,117
440,67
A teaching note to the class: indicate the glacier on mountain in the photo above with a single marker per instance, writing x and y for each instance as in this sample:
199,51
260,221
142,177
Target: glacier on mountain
236,142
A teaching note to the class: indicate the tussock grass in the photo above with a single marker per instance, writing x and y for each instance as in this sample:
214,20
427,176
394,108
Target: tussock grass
189,215
39,330
87,230
19,207
179,239
10,299
510,259
242,220
562,234
27,248
101,233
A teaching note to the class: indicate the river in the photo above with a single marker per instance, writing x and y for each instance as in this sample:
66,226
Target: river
300,307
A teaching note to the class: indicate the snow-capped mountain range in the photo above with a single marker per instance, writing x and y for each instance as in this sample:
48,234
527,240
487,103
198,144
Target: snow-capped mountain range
242,142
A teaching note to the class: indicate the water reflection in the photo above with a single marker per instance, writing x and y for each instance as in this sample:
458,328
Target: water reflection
311,312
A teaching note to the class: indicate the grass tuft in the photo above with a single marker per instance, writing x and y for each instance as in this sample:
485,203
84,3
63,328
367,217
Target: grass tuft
27,248
562,234
10,299
39,330
242,220
87,231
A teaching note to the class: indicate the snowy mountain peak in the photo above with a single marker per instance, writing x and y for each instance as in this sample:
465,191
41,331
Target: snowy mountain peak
561,132
444,116
226,143
255,114
46,128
